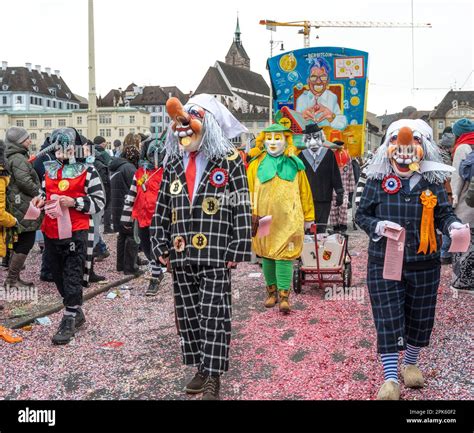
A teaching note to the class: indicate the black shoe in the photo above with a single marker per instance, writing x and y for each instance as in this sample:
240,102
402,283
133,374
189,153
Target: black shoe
66,330
80,318
48,278
108,230
342,228
142,262
135,272
196,385
154,286
102,256
94,278
211,388
446,260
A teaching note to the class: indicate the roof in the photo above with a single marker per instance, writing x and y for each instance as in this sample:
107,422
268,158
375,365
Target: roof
244,79
239,48
176,93
151,95
254,99
407,113
464,97
21,79
83,102
130,87
108,100
250,117
213,83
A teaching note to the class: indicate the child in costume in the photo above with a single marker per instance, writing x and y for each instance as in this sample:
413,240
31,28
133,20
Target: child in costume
323,174
279,188
405,189
141,201
202,229
338,214
72,193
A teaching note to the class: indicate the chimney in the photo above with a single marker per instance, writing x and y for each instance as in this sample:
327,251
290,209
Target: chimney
57,73
38,68
4,65
28,65
48,71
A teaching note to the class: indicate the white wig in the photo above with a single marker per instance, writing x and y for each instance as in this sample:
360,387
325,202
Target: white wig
431,166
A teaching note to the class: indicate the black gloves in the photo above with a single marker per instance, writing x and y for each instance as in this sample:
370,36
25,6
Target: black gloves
339,199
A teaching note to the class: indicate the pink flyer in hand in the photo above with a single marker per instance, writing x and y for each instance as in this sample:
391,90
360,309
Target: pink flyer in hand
264,226
393,264
62,215
32,213
460,239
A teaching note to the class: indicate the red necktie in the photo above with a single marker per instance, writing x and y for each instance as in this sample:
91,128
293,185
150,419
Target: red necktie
191,174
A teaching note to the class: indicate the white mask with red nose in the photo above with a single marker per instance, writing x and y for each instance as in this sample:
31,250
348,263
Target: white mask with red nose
405,151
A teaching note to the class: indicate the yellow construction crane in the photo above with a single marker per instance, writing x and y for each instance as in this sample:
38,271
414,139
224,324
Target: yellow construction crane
307,25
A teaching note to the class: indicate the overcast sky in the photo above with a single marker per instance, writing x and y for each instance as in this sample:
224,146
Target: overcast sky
156,42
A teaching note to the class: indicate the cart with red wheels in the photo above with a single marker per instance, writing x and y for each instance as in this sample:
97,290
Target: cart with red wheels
325,260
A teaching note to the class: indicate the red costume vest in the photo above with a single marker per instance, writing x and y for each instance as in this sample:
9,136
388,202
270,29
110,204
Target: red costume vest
342,157
73,188
145,201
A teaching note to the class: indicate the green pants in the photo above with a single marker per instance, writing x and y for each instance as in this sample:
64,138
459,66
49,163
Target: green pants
278,272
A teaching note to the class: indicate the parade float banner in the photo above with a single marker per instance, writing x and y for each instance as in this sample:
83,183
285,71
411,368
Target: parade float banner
323,85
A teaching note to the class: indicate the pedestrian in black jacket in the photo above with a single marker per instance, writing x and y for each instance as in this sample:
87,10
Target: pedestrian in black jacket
122,170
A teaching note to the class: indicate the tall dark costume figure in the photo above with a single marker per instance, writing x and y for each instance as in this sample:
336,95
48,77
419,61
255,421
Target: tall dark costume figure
322,173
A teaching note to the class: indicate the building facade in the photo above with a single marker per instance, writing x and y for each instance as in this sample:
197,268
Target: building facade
455,105
113,123
30,88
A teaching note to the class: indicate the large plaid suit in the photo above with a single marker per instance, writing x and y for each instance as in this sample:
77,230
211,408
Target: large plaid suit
403,310
201,279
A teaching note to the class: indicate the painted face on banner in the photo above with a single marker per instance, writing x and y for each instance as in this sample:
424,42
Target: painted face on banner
275,143
318,81
187,123
405,151
314,140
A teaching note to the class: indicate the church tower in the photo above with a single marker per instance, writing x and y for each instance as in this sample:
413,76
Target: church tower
237,56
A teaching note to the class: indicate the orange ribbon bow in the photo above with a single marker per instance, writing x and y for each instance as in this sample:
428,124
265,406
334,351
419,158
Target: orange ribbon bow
427,228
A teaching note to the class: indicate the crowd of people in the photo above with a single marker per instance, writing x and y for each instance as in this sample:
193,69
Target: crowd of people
170,200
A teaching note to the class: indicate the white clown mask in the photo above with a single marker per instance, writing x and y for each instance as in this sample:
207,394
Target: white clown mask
405,151
314,140
275,143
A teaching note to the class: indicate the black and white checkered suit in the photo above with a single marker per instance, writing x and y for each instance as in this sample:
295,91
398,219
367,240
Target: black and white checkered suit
403,310
201,279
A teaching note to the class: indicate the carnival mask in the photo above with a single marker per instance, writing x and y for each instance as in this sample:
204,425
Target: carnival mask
315,140
275,143
187,123
64,140
405,151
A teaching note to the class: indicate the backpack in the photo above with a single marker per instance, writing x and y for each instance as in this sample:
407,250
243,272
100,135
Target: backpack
466,168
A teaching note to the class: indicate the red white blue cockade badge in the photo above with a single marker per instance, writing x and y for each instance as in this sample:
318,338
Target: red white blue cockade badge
219,177
391,184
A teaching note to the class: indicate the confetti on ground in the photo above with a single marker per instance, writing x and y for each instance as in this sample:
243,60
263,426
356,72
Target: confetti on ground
324,349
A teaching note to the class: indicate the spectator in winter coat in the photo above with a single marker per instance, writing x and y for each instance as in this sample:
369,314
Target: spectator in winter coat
101,150
7,220
24,186
122,172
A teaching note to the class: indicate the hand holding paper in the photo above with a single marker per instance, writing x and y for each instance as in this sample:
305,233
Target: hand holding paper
264,226
33,213
460,237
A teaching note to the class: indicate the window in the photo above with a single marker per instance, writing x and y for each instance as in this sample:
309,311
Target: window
440,124
121,132
48,103
101,132
108,132
62,122
160,119
132,119
152,129
33,123
79,120
54,104
20,123
80,131
60,105
132,130
33,136
5,87
47,123
121,120
105,118
5,100
160,129
31,99
19,99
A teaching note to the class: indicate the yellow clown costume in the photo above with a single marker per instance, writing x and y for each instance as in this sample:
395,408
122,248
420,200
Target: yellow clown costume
279,189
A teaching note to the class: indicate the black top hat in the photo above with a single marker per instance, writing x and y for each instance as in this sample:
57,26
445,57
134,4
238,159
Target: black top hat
311,128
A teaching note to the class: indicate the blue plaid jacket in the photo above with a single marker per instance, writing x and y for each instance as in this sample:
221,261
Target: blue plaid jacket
403,208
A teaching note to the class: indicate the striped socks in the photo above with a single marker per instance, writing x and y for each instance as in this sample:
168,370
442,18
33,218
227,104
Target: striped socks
155,269
390,366
411,355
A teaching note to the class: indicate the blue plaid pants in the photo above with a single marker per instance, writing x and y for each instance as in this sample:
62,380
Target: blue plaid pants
403,311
